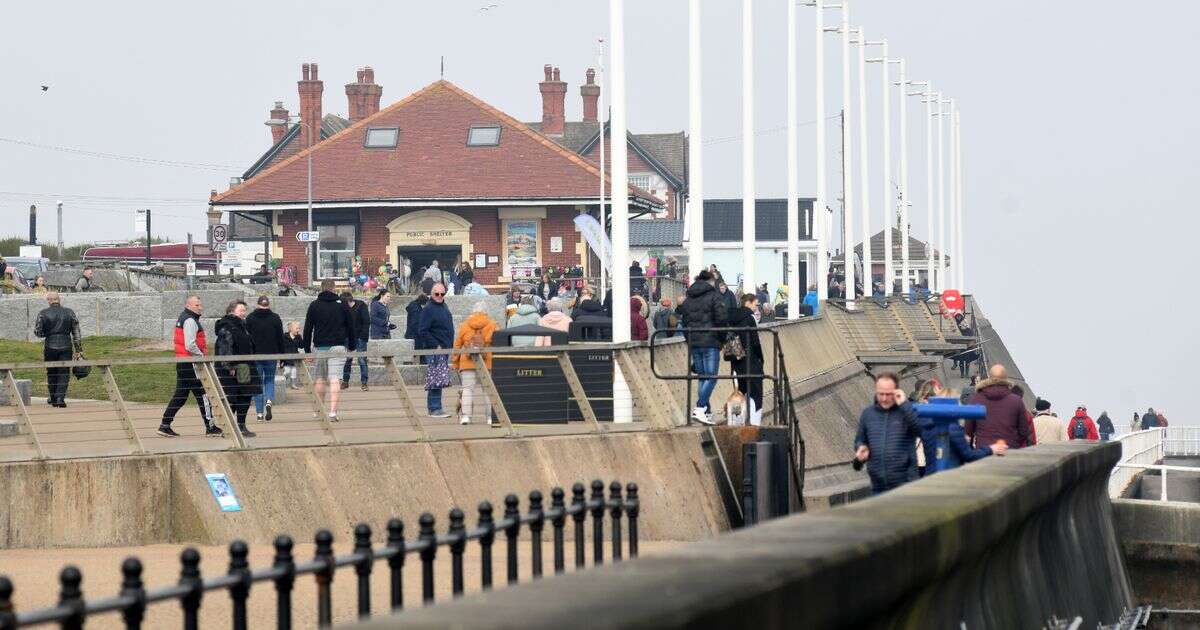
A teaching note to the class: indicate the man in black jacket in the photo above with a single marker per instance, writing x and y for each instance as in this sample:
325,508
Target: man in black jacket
266,330
360,314
704,308
328,327
60,328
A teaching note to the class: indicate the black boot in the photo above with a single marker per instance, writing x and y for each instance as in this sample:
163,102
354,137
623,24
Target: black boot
246,432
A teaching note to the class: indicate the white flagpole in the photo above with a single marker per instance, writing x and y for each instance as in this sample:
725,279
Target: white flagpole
620,177
695,202
602,115
793,183
820,216
904,196
863,158
749,245
847,160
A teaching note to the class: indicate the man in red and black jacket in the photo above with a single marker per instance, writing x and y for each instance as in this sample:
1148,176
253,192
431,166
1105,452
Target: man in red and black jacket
189,342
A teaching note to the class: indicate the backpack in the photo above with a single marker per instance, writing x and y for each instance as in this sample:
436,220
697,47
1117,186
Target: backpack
1078,429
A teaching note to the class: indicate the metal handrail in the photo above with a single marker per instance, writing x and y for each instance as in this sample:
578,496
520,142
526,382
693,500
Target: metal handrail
621,505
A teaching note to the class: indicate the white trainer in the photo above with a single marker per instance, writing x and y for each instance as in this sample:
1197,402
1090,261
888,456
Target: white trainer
464,420
699,414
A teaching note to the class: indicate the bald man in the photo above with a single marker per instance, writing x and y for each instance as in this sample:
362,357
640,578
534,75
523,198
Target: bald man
189,342
1007,419
60,328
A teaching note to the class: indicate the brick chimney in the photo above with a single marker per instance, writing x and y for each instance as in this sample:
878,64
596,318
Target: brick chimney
591,96
363,95
554,102
310,88
278,123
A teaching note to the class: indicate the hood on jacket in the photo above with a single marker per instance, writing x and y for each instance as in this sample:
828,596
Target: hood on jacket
635,307
229,320
739,313
556,320
478,322
525,309
1081,414
327,296
699,288
591,307
994,388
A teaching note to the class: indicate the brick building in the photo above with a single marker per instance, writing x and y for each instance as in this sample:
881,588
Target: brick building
437,175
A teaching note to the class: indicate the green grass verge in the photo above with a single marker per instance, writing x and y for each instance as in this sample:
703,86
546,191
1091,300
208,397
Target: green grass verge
138,383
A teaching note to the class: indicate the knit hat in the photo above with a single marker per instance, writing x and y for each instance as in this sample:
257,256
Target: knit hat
1042,405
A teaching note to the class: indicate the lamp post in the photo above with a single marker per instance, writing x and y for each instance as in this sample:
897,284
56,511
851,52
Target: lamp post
888,217
310,248
927,98
749,246
953,192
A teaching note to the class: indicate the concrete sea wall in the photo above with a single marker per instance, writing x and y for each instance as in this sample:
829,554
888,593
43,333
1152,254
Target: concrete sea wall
1003,543
123,501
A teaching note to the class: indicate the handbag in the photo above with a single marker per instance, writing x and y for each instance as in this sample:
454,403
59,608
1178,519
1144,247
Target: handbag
81,371
437,375
732,349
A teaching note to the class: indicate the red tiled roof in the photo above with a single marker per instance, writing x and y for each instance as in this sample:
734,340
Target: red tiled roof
431,160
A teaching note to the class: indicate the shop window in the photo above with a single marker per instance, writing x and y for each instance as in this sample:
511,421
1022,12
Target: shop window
335,250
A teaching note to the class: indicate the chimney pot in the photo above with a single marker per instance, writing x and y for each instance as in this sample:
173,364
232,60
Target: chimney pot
310,89
591,97
278,131
304,72
363,95
554,97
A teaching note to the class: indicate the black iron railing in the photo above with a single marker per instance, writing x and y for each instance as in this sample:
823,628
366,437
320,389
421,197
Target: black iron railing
134,600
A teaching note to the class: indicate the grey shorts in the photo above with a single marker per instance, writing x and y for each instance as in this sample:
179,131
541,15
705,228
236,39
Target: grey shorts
329,369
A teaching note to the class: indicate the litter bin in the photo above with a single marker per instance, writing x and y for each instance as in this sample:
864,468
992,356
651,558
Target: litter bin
594,367
532,386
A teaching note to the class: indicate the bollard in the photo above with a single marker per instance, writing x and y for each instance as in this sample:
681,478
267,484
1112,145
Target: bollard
943,412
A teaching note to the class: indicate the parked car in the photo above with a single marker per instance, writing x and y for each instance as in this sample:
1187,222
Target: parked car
29,267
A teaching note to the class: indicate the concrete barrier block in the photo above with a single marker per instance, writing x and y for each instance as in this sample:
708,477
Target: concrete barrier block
129,316
24,386
15,323
87,311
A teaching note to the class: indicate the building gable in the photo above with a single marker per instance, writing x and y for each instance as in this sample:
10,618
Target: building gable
431,160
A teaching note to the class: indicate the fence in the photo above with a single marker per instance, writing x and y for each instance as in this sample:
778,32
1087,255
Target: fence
1146,450
619,508
526,391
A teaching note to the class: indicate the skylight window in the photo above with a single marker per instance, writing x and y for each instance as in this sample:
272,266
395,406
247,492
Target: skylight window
382,138
483,136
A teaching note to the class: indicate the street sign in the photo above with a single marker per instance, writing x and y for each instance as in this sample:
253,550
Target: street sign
218,247
220,233
233,247
191,269
308,237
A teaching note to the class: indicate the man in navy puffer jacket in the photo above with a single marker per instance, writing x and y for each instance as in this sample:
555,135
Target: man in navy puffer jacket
887,434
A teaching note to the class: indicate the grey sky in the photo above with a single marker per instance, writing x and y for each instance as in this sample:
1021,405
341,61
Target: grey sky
1079,135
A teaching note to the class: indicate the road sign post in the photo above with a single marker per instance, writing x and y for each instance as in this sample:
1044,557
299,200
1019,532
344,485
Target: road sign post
308,237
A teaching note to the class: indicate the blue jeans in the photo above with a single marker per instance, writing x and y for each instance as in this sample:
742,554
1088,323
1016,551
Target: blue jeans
266,373
706,362
433,400
360,346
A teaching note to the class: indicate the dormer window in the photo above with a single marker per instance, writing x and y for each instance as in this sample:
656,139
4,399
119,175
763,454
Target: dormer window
483,136
382,138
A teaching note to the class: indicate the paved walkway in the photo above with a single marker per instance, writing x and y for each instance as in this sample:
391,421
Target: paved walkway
35,574
91,428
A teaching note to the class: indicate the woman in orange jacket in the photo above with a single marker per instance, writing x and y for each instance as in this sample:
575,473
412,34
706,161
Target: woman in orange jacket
476,332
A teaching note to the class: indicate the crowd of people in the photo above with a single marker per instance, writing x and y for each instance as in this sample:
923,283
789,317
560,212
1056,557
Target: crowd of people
898,446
